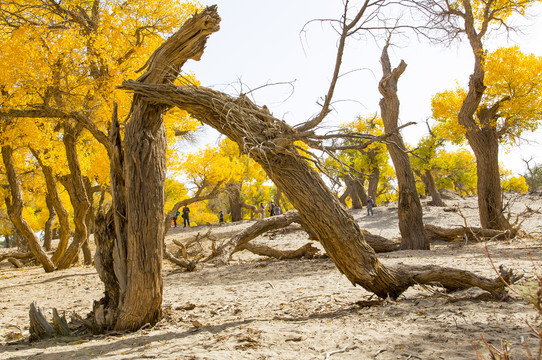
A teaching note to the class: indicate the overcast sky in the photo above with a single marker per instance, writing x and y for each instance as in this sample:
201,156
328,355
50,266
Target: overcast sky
261,42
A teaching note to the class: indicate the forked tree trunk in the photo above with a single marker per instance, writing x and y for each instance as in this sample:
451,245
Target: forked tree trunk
15,205
48,228
73,182
409,205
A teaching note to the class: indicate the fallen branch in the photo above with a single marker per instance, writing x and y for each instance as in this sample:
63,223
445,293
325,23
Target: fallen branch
307,251
464,233
188,265
223,253
15,262
16,255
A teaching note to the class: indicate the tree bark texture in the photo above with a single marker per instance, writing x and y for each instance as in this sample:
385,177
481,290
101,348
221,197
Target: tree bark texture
140,180
353,191
374,178
410,208
14,204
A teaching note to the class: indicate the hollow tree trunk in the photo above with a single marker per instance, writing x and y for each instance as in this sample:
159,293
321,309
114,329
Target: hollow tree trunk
73,182
61,212
353,191
15,205
409,205
234,199
48,228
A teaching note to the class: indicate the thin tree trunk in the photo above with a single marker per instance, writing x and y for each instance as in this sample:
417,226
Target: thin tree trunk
14,205
78,196
410,208
61,212
48,228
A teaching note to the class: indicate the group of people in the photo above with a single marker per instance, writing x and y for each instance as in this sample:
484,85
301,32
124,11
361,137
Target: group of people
186,216
274,209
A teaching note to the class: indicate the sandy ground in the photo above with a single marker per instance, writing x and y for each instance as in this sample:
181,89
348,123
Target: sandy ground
259,308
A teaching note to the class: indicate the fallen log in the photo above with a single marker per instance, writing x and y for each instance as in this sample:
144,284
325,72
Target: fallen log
435,232
223,253
15,262
16,255
307,251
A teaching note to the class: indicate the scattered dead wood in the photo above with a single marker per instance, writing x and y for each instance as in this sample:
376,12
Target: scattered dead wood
223,253
17,255
306,251
188,265
465,233
40,328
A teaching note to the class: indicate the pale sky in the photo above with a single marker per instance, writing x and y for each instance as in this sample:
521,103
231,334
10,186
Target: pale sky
260,42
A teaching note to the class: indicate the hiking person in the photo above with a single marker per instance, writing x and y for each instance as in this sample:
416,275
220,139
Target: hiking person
186,216
370,205
175,218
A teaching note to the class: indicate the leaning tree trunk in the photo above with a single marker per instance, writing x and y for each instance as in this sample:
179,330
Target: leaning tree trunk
73,182
271,143
14,205
410,207
234,198
48,228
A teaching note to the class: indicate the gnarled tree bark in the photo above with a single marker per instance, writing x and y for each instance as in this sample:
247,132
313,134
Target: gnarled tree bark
410,208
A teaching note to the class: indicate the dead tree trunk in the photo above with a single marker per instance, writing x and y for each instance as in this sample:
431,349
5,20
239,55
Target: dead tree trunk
374,178
14,205
410,208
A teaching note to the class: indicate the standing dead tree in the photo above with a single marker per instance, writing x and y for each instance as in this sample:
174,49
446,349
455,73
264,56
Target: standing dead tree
410,207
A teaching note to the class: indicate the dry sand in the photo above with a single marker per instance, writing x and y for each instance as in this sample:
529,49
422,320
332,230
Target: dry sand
258,308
